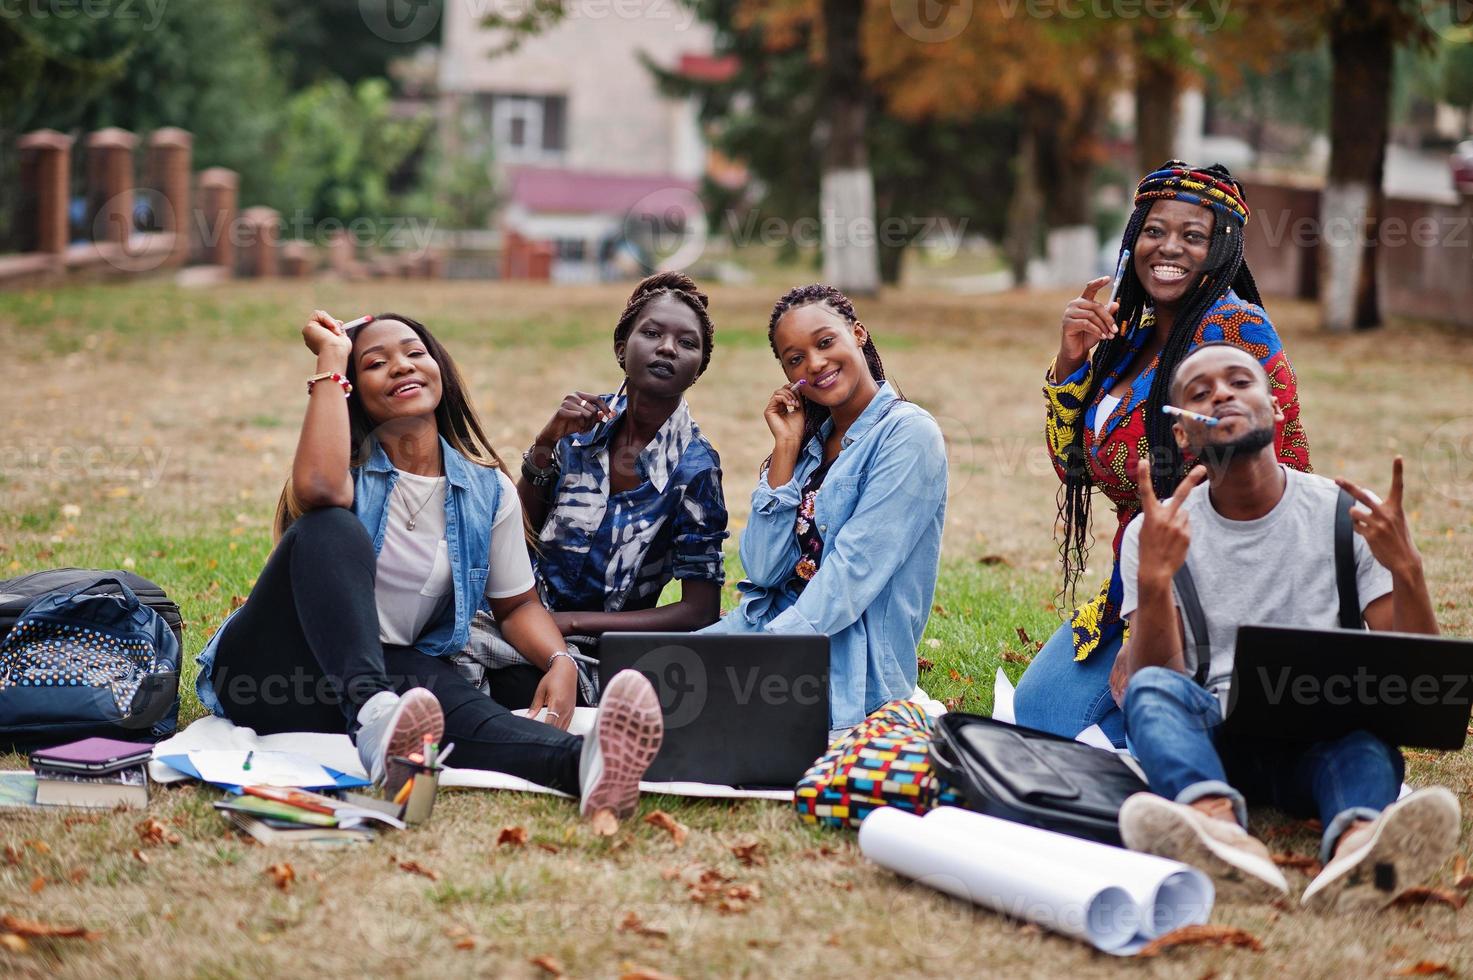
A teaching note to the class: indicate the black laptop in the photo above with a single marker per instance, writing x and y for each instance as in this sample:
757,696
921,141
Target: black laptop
1409,689
740,710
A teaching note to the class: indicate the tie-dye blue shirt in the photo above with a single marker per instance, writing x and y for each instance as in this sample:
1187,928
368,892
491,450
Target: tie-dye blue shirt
615,551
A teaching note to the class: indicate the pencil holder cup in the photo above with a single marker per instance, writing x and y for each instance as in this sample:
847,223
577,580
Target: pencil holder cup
421,798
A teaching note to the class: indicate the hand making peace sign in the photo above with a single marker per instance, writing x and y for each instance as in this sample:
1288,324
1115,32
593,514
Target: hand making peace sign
1165,534
1384,525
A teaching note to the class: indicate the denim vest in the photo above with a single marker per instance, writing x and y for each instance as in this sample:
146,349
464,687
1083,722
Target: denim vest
472,495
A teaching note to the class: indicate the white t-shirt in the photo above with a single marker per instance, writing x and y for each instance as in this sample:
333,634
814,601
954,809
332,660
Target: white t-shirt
1277,569
1103,410
414,583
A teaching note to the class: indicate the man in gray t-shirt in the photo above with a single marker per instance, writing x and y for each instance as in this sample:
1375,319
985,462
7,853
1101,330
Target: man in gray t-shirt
1258,539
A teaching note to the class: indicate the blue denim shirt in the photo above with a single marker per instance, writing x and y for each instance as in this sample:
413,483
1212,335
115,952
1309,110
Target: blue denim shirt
880,515
472,494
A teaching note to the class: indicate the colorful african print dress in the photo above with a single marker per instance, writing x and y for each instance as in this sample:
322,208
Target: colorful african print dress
1121,443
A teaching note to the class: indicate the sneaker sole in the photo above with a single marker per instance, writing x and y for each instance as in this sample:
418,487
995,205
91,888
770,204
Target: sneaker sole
418,714
629,731
1155,826
1412,842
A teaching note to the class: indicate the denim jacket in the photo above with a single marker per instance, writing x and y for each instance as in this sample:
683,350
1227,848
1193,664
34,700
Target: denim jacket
880,514
472,494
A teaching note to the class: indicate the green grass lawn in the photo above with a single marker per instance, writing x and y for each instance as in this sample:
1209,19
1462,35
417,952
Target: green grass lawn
150,428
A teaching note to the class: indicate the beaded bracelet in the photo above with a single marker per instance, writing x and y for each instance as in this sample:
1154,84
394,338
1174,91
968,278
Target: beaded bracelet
331,376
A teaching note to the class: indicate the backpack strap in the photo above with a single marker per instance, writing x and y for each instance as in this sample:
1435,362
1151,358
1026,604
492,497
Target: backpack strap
1191,609
1345,583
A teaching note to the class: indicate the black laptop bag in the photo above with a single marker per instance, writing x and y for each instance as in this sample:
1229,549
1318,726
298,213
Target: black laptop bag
1032,777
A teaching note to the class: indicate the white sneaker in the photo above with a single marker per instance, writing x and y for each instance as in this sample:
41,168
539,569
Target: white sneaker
625,739
390,724
1404,847
1227,852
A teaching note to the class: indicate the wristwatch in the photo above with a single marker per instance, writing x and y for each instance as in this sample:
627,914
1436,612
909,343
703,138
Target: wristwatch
538,476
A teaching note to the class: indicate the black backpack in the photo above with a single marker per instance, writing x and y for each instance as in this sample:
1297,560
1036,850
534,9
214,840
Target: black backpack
87,652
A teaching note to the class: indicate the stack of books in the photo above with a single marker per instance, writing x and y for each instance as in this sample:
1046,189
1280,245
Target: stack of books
102,773
281,815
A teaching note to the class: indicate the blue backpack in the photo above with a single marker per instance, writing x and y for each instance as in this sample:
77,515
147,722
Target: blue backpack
90,658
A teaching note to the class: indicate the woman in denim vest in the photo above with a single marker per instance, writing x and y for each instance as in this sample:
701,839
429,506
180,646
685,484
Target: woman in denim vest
844,538
398,523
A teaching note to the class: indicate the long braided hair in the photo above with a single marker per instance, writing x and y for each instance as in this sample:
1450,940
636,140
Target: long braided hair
684,288
1211,187
814,415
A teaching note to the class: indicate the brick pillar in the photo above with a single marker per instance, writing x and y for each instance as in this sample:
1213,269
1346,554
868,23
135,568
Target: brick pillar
110,184
296,260
169,153
260,231
214,227
45,175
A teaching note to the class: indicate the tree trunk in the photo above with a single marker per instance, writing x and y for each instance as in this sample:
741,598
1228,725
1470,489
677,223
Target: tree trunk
1362,49
1157,81
847,188
1025,208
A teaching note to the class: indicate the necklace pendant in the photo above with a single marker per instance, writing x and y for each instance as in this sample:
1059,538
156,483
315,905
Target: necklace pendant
409,524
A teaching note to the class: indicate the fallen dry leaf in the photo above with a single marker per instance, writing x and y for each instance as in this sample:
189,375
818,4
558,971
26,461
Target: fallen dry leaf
1426,896
282,875
1203,936
632,972
1425,968
39,846
78,875
664,821
550,964
13,854
14,943
468,942
1299,862
604,823
31,929
38,883
549,848
140,856
749,853
924,663
633,923
153,833
993,560
1014,657
415,868
1023,637
512,837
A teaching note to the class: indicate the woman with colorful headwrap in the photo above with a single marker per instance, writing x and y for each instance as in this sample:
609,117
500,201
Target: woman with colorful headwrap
1185,283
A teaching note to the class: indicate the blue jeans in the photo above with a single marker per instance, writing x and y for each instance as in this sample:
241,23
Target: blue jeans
1065,696
1174,726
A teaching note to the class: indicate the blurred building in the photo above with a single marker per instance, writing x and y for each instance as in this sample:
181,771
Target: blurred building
585,145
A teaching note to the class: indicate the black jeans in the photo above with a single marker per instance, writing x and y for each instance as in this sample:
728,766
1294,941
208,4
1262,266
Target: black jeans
303,654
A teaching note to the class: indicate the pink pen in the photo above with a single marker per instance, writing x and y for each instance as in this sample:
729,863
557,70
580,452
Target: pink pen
362,321
794,387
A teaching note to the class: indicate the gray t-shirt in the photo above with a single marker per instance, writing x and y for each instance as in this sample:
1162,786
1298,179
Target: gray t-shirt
1278,569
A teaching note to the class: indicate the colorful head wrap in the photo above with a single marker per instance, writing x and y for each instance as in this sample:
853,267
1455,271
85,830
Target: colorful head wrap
1178,181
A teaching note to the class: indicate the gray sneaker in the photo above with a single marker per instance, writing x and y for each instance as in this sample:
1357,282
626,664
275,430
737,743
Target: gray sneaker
1403,848
1237,861
392,724
626,737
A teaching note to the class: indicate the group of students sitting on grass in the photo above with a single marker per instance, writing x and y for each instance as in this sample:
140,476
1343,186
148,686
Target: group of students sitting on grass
416,588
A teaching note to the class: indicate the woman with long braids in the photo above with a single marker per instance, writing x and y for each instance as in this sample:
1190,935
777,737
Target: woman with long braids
397,524
844,538
1185,284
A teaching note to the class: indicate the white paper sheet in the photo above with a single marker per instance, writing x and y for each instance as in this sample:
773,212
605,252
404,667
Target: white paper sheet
227,767
338,752
1170,894
1002,699
1083,902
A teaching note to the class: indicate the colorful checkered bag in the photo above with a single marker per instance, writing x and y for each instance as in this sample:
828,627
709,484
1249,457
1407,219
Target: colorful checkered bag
884,761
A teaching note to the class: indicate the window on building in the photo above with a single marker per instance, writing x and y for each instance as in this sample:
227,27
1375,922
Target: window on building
527,127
